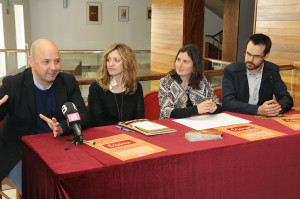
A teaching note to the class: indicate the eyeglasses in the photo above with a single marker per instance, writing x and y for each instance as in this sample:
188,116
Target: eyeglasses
254,56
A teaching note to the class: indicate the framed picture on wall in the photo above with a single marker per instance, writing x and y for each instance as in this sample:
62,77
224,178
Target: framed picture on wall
123,13
93,13
148,13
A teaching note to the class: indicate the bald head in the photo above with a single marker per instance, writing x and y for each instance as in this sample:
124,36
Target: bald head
42,45
44,60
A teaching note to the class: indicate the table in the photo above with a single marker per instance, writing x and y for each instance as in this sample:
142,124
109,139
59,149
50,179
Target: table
227,168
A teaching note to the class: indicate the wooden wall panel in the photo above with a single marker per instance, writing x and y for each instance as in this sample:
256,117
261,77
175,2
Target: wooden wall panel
174,36
286,40
278,9
286,48
283,61
274,32
280,20
193,24
275,24
283,55
277,2
174,24
278,16
230,30
166,33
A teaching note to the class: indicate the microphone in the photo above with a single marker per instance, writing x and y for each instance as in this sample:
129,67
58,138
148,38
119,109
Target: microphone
70,112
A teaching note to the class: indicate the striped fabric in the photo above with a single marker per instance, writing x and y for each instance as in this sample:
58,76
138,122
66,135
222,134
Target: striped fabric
173,95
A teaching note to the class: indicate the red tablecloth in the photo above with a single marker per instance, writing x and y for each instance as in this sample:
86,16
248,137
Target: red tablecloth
227,168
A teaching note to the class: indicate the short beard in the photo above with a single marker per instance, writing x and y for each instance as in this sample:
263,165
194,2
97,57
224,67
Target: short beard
255,66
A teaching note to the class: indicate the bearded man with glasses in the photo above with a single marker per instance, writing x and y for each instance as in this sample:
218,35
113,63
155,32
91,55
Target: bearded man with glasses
248,86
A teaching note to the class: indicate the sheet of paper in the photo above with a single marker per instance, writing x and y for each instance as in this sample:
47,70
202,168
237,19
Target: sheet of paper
211,121
150,126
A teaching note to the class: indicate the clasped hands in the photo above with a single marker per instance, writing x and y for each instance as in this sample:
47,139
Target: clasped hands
52,123
207,107
269,108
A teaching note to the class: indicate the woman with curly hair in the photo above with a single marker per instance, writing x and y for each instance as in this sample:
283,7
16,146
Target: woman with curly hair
116,95
185,91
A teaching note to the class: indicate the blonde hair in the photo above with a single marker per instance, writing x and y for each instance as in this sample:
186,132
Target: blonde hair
130,68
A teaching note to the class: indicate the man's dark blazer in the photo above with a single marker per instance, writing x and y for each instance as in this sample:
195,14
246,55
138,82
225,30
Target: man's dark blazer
235,88
19,112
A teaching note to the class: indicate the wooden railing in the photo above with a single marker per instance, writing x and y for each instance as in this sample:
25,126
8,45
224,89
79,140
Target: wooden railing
69,51
151,76
157,76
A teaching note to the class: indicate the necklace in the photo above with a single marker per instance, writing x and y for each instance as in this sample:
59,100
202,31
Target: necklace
119,112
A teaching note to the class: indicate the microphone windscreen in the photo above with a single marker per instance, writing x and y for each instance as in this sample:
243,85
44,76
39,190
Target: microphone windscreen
68,108
70,111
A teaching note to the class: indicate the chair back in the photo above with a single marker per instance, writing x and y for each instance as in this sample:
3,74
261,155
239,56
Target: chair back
151,105
217,91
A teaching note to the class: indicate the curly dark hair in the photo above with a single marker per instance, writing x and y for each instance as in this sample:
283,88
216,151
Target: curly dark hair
197,75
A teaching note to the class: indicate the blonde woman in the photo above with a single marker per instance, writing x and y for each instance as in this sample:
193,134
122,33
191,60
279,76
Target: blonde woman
116,95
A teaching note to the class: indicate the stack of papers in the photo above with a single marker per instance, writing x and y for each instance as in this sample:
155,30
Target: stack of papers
146,127
211,121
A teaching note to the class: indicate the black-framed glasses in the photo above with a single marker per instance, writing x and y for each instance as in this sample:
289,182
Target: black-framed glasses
254,56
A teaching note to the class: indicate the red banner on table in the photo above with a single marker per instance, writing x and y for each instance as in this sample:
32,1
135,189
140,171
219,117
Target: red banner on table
125,147
250,131
291,121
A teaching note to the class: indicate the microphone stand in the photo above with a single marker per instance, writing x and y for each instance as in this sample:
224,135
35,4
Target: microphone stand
77,139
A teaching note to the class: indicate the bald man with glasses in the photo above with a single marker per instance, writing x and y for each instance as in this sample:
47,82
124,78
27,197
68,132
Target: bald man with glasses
248,86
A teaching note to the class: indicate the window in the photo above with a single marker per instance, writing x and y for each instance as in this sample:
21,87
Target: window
2,46
20,35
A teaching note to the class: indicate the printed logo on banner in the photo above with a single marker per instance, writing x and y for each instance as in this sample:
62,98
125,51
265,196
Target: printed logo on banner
291,120
118,144
240,128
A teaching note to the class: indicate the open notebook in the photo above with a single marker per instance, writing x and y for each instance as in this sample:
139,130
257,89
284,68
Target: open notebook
146,127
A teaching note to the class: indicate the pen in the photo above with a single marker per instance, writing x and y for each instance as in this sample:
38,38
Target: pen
119,127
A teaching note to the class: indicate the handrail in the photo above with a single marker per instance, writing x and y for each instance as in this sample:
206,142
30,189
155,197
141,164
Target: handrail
220,32
158,76
216,60
152,76
98,51
27,50
146,51
210,36
286,67
149,77
14,50
215,35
